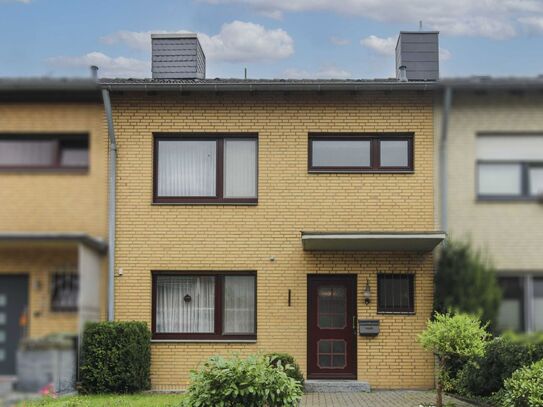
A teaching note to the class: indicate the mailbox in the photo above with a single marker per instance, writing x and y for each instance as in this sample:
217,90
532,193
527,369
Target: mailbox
368,327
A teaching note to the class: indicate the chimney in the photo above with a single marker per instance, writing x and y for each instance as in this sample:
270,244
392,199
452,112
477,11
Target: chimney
177,56
417,53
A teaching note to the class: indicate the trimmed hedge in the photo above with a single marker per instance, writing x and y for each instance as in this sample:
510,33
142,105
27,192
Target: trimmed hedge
525,387
292,369
115,358
503,356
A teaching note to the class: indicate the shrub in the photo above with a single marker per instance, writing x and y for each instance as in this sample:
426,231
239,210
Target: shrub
465,282
115,358
292,369
251,382
525,387
451,337
502,357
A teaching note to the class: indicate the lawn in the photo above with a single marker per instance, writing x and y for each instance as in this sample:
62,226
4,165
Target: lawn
132,400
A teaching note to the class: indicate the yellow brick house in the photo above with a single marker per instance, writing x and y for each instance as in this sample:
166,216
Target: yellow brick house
276,215
53,217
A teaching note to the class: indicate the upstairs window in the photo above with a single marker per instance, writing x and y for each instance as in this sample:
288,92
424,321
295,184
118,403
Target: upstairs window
345,152
206,169
395,293
44,152
509,166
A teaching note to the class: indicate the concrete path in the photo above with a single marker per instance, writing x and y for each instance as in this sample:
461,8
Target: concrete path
392,398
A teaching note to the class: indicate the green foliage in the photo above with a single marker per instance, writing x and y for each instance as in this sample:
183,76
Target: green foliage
109,400
236,382
465,282
525,387
115,358
502,357
450,337
292,369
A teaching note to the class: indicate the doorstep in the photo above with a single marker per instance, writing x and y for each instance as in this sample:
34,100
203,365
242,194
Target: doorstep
6,384
336,386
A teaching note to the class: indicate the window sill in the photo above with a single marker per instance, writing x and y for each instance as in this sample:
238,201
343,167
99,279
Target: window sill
506,199
408,313
45,170
203,340
204,203
361,172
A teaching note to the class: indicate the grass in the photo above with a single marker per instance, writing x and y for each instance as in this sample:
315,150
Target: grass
114,400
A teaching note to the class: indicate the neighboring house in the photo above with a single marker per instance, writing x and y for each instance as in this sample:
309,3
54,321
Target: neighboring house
493,157
275,215
53,217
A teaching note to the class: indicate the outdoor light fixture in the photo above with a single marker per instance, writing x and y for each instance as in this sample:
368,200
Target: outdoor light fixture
187,298
367,292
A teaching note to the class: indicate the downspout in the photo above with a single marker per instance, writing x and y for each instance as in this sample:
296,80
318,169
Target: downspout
443,179
111,205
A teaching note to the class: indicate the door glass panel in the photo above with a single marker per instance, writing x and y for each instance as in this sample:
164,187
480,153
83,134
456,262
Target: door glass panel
2,318
510,315
332,354
538,303
332,307
2,354
2,336
3,300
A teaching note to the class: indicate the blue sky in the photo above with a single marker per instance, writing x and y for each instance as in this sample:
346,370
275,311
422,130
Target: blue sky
272,38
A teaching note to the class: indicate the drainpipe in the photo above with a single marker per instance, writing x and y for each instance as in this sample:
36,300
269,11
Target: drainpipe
111,205
447,100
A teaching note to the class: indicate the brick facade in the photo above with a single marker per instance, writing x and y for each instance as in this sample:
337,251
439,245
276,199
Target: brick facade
290,200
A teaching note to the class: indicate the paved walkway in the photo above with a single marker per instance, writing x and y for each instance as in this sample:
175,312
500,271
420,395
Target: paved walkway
392,398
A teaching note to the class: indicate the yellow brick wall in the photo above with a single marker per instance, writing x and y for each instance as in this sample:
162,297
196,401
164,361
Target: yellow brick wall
53,202
191,237
511,233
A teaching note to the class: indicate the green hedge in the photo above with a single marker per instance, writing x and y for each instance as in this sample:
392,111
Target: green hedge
503,356
292,368
525,387
115,358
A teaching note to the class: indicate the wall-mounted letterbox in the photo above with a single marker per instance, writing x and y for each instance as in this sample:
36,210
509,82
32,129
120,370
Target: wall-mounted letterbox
368,327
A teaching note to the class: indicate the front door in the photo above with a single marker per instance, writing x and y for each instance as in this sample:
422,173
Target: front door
13,306
331,327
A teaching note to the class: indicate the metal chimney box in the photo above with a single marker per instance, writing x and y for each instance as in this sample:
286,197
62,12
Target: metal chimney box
177,56
418,51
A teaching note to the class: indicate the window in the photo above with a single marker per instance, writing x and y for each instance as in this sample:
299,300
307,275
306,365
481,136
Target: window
538,304
206,168
511,312
509,166
360,152
43,152
204,306
64,292
395,293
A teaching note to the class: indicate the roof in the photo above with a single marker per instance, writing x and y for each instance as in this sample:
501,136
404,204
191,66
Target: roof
491,83
95,243
48,84
219,84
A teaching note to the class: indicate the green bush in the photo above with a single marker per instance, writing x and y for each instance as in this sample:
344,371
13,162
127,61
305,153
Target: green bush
115,358
450,337
503,355
466,282
292,369
251,382
525,387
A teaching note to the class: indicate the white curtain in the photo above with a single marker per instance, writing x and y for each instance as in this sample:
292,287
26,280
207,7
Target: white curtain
240,168
177,314
341,153
500,179
187,168
239,304
76,157
27,152
514,147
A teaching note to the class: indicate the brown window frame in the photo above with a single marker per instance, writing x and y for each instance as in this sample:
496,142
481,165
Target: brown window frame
375,152
74,276
219,178
381,308
219,307
59,139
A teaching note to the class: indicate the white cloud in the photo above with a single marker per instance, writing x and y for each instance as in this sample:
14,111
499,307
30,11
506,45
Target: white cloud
533,24
112,67
495,19
444,54
382,46
237,41
339,41
328,72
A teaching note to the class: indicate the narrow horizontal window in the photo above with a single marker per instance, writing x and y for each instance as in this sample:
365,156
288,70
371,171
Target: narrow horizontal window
64,292
44,152
395,293
206,169
206,306
360,152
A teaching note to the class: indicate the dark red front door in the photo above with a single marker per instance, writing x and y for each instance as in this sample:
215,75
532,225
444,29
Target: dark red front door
331,327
